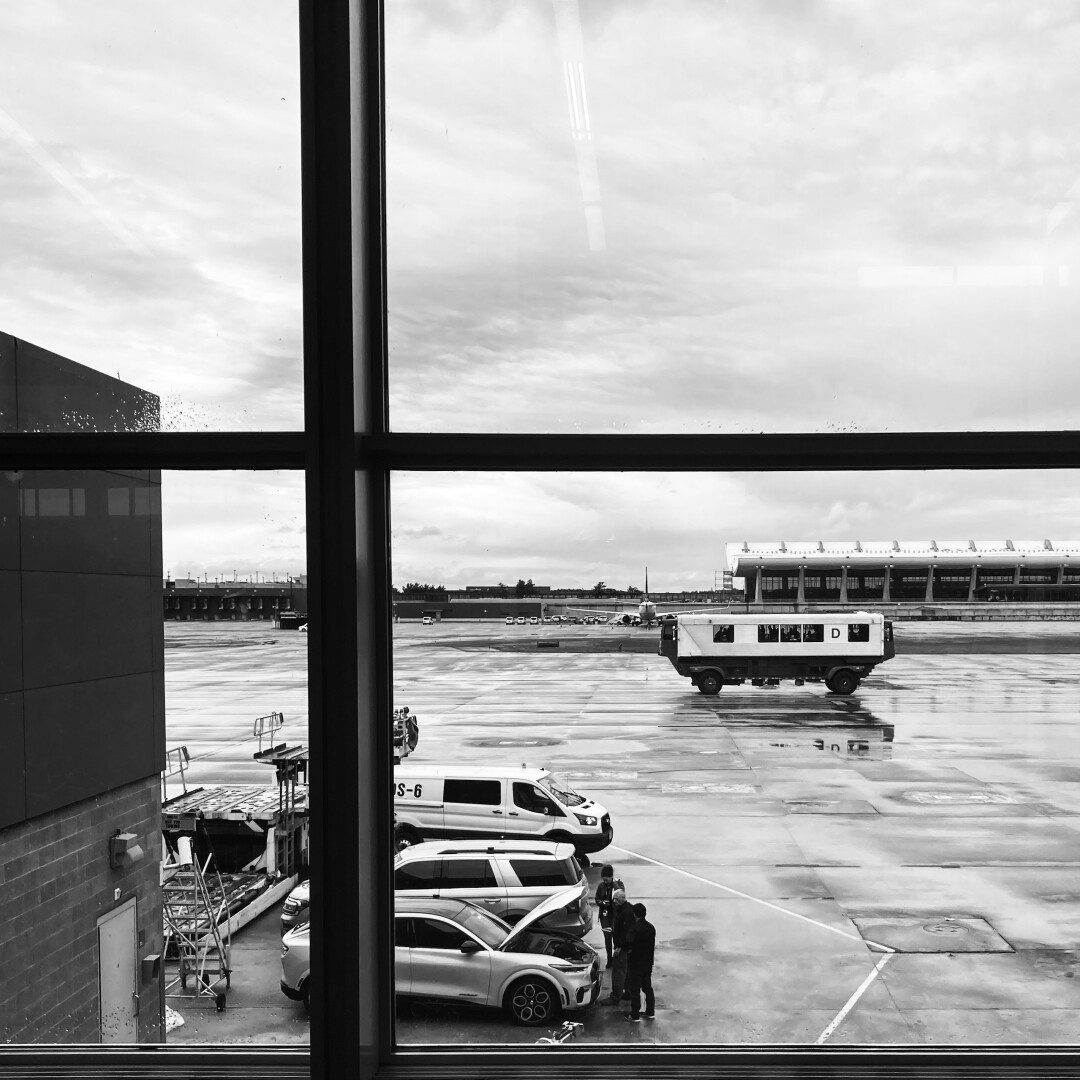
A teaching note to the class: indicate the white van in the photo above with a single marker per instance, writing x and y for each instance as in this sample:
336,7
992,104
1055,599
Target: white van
497,801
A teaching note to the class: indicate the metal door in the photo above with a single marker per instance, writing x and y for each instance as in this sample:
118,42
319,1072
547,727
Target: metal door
117,967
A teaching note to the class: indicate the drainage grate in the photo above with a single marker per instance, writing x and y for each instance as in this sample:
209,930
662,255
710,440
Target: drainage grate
932,934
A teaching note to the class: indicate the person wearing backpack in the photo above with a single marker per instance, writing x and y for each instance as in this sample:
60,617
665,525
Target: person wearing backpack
605,906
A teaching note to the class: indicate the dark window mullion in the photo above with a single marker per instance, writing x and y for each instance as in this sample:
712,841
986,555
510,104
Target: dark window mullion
723,453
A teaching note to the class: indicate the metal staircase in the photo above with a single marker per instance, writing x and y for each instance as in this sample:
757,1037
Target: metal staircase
193,934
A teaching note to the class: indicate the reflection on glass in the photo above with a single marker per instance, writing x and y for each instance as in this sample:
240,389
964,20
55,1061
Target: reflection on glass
826,860
736,217
150,209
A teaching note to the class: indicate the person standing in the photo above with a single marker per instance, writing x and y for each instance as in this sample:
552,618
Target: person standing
605,906
622,924
639,965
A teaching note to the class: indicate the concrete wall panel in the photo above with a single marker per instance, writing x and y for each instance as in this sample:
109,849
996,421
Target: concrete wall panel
86,522
8,398
78,627
9,520
87,738
12,779
57,395
11,648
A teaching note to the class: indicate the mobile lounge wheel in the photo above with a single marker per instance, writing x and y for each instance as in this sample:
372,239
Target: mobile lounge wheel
532,1001
709,682
843,681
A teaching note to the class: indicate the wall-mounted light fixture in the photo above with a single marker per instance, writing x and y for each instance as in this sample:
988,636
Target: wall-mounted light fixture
124,850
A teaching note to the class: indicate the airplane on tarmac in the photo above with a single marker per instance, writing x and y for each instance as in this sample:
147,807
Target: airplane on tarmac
646,615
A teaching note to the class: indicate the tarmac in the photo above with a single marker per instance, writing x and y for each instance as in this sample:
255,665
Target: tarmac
898,867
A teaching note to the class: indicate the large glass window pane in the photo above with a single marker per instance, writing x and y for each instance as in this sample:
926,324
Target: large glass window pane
150,204
740,217
234,601
144,711
841,837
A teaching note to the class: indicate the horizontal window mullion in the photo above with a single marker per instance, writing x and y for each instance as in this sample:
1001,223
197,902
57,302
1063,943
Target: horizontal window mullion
154,450
722,453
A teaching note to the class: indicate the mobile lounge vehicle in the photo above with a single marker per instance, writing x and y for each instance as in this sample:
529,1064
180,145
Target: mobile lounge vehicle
837,647
500,802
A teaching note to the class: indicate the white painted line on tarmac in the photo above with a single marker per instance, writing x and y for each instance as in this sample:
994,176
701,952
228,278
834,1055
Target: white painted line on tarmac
839,1018
757,900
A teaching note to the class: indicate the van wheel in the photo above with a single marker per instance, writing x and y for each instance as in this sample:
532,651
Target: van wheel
709,683
843,682
532,1001
405,836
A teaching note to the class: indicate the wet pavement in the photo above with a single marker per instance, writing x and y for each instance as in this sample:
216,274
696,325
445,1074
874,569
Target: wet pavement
899,866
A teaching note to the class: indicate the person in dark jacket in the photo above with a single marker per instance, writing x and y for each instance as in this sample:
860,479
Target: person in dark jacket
620,940
639,965
605,906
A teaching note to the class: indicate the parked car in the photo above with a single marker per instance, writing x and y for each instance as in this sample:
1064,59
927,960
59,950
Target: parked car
534,620
451,950
295,910
428,621
521,620
296,964
508,878
509,620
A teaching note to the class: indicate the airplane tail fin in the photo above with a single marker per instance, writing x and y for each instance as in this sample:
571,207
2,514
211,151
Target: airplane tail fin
646,583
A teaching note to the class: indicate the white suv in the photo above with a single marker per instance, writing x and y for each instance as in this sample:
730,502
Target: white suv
509,878
450,950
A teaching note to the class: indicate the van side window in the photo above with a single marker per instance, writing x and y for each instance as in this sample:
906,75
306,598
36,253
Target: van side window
436,934
528,797
858,631
724,632
790,633
813,632
466,874
768,632
421,874
540,872
476,792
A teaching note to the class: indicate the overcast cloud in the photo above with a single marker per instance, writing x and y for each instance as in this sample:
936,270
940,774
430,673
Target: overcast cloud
774,216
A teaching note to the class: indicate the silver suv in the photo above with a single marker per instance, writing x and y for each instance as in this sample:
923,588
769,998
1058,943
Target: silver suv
508,878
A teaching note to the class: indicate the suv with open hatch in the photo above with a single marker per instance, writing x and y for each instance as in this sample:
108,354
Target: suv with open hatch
508,878
451,950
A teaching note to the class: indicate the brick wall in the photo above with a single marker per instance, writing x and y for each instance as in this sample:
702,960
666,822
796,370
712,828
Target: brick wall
56,882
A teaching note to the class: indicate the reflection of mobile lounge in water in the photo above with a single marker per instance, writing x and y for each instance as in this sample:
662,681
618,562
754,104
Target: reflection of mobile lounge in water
837,648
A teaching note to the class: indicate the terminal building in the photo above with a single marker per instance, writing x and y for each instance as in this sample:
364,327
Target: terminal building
82,711
904,572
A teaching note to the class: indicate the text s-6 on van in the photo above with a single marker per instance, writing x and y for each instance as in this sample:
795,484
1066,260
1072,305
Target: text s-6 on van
434,801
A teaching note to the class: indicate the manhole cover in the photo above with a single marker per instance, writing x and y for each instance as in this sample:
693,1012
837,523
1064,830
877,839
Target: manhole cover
919,934
946,927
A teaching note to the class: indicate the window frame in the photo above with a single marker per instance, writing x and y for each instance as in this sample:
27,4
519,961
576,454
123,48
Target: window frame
348,452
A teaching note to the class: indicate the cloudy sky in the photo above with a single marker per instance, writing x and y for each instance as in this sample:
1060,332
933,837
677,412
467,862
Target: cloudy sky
620,216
